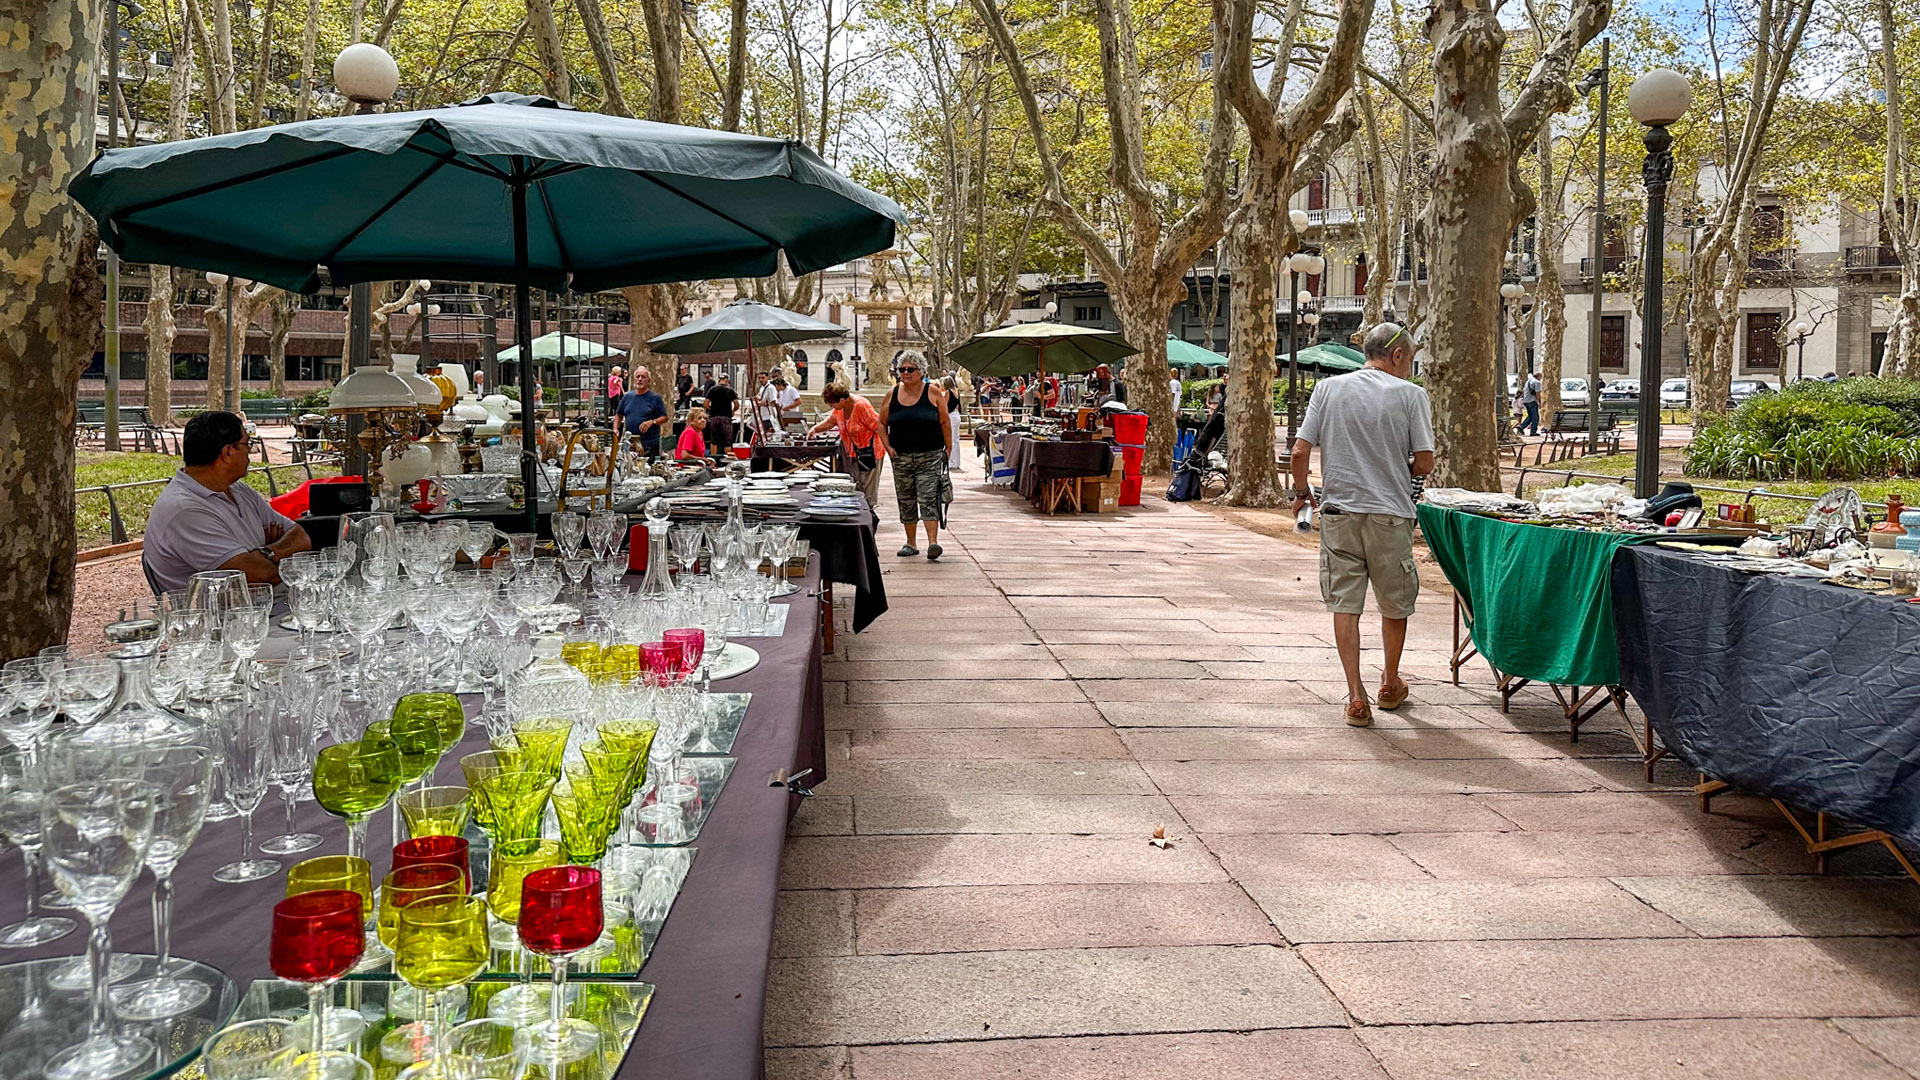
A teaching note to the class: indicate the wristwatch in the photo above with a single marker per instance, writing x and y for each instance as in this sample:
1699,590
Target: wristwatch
271,555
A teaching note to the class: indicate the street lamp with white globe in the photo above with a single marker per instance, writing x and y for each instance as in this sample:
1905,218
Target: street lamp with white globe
366,75
1657,99
1801,330
1300,262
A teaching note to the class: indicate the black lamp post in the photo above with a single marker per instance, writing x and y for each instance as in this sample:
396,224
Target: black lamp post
1656,99
368,76
1601,79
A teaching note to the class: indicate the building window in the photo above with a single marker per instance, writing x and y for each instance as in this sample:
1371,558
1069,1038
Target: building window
833,313
1763,340
1360,273
1086,314
1317,193
1613,342
1768,236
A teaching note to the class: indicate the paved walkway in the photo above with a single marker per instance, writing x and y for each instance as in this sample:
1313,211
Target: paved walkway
1453,893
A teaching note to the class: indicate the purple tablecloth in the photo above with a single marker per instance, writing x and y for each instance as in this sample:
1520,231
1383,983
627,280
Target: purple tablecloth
1034,462
710,963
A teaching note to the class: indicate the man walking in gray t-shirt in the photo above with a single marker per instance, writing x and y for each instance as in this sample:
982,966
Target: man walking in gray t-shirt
1375,434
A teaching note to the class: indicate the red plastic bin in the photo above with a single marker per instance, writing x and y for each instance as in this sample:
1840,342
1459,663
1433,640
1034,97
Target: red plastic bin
1130,489
1129,427
1132,458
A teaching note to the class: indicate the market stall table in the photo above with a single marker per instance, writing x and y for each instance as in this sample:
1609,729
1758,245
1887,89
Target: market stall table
710,963
1803,692
831,456
1048,471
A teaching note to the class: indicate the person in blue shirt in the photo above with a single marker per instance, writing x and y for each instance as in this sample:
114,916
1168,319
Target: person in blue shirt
643,413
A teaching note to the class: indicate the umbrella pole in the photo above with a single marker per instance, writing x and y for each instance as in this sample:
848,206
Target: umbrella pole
523,331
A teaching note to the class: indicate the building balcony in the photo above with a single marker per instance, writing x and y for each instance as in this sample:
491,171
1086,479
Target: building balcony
1609,264
1337,215
1871,260
1327,305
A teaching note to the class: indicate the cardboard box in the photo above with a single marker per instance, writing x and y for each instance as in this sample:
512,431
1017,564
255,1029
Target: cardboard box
1119,469
1107,503
1092,488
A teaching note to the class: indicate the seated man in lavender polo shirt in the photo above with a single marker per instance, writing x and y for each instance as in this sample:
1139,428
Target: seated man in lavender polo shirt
206,519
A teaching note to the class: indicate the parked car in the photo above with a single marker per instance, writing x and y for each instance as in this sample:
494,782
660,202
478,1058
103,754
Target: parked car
1573,393
1675,394
1621,390
1743,389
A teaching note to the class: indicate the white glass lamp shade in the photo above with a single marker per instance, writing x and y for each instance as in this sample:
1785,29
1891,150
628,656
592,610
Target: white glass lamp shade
216,279
1512,291
1659,97
1316,265
1800,329
425,394
1052,307
371,387
1304,298
366,73
457,374
424,284
1310,319
1299,219
413,309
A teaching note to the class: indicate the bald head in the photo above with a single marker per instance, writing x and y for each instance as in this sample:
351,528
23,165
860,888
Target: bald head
1390,347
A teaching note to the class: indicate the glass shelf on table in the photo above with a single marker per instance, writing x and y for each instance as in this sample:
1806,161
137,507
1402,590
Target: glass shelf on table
37,1021
614,1007
711,773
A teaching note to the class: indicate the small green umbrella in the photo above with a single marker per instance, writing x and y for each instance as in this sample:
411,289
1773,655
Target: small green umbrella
741,325
1037,348
558,346
1185,354
1328,356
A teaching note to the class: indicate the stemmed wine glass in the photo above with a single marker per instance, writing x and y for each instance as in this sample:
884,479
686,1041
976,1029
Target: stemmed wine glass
289,747
244,623
96,836
477,541
22,789
247,765
687,541
353,780
561,914
604,532
317,938
568,530
440,943
181,778
84,685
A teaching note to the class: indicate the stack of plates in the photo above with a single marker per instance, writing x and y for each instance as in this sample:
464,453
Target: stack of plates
829,512
766,499
802,476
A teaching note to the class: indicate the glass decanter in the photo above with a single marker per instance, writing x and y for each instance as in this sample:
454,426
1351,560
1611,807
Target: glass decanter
658,585
551,688
136,715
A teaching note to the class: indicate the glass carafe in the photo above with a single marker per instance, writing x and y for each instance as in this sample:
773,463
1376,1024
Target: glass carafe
552,688
657,586
136,715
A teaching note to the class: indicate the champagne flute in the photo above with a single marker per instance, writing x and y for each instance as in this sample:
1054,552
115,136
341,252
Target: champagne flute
182,780
96,836
568,529
248,761
290,742
353,780
316,940
560,914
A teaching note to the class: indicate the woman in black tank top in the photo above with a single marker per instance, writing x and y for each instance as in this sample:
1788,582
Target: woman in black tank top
917,422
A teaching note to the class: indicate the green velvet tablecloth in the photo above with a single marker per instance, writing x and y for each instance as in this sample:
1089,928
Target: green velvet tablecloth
1542,598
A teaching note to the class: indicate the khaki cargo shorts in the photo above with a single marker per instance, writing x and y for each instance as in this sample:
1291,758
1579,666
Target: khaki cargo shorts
1358,548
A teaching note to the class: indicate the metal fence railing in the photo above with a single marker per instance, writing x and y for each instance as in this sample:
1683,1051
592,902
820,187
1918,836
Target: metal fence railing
117,525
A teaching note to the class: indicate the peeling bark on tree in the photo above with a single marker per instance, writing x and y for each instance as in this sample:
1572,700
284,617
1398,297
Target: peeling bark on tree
309,45
736,66
1899,210
547,46
160,330
1550,295
593,23
664,39
50,300
280,313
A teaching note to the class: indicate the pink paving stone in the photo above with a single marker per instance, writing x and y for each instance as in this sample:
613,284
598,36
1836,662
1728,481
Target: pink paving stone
1460,743
1317,714
894,670
1642,1050
929,691
1755,906
1897,1039
1124,667
1056,917
1360,777
1257,744
813,923
1311,1054
945,716
1032,744
879,862
1518,855
1623,812
1135,815
1336,814
1280,857
1177,694
810,1063
1458,910
823,815
1465,982
925,777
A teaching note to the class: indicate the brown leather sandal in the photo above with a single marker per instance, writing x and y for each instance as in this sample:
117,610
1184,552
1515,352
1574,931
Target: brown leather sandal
1392,697
1359,714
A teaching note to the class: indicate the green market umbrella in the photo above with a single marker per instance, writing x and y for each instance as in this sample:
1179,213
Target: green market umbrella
1036,348
506,188
1185,354
742,324
1328,356
557,346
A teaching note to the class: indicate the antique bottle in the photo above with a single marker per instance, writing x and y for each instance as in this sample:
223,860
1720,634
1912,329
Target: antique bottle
1886,534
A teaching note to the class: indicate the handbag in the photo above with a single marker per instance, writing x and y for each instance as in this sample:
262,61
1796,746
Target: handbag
863,457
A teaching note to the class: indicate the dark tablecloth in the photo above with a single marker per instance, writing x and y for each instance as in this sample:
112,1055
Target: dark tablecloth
1785,687
1034,462
710,963
324,530
832,458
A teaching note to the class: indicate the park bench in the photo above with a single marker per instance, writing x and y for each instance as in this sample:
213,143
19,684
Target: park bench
258,409
1567,436
137,429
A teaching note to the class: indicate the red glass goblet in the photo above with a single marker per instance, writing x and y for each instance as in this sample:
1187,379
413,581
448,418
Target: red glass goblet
451,850
692,642
560,914
662,661
317,938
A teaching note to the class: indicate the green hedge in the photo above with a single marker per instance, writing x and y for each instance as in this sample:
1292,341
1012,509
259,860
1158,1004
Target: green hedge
1852,429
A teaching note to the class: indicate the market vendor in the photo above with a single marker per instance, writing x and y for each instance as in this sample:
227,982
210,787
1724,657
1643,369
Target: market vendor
860,433
786,400
643,413
207,519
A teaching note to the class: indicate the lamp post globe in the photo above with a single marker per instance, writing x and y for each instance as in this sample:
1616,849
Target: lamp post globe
366,74
1800,329
216,279
1304,298
1316,265
1512,291
1659,97
1299,220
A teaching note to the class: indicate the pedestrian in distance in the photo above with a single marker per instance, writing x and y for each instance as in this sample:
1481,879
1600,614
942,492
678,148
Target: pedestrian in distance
1374,430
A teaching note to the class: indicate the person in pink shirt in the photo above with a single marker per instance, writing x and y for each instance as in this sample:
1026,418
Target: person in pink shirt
692,445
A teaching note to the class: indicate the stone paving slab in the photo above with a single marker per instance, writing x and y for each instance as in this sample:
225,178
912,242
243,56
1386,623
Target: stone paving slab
1317,714
1336,814
1783,906
879,862
943,776
1315,858
964,813
1895,1038
813,923
940,691
1360,777
1258,744
1312,1054
1467,982
1458,910
1057,917
948,716
918,670
1518,855
1642,1050
950,997
1011,744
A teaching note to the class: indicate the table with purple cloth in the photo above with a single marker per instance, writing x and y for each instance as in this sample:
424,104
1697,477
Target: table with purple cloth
709,966
832,457
1034,462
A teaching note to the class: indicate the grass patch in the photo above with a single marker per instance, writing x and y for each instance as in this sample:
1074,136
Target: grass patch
92,523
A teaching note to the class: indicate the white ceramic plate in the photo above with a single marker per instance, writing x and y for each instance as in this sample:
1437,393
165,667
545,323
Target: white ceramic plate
831,513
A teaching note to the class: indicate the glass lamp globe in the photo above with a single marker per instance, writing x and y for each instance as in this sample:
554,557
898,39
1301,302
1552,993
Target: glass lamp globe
1800,329
1316,265
1299,219
1659,97
1512,291
216,279
1310,319
1304,298
366,73
370,387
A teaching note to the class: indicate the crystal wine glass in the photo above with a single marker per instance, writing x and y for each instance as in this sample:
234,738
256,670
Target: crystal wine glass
247,765
560,914
290,746
441,943
96,836
23,782
316,940
182,779
84,686
568,530
353,780
605,530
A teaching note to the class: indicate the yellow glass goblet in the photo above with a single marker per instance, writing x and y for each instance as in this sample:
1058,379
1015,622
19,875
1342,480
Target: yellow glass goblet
441,944
436,811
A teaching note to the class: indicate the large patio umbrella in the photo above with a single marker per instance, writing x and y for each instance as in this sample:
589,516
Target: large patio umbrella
743,324
556,346
1039,347
1331,356
1185,354
505,188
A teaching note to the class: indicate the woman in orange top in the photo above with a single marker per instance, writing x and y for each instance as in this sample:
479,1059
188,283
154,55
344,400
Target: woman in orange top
861,434
692,445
